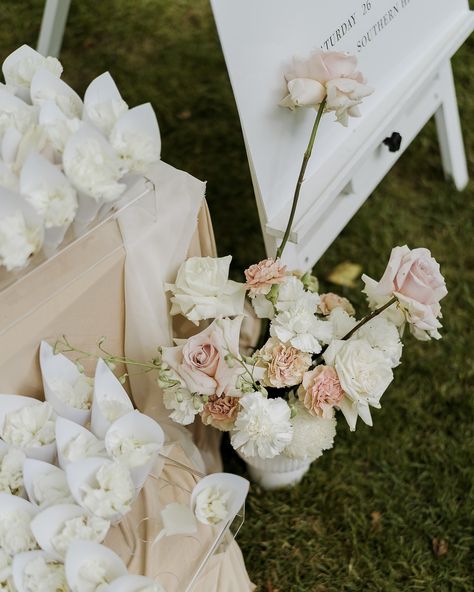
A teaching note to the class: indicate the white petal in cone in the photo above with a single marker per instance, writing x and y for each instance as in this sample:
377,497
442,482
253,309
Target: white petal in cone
136,138
8,178
33,470
110,401
20,66
45,86
57,126
86,442
238,488
131,431
19,563
15,113
132,583
103,103
54,367
13,503
46,524
10,403
10,142
83,555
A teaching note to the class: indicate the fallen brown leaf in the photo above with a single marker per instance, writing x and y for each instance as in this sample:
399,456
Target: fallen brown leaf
376,518
440,547
345,274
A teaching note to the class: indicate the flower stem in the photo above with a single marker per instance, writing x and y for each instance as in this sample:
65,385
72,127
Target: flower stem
368,318
304,164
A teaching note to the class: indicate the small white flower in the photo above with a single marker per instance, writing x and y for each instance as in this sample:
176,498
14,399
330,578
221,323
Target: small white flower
30,426
203,290
11,471
84,445
184,405
50,489
113,493
212,505
77,394
299,326
18,241
15,532
311,435
81,528
263,427
132,452
384,336
44,575
93,576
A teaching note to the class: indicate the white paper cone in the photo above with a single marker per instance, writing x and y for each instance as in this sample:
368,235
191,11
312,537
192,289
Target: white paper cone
106,386
47,523
19,563
53,237
59,366
33,470
9,403
238,486
140,427
99,92
10,142
66,431
132,583
80,552
13,503
86,213
46,86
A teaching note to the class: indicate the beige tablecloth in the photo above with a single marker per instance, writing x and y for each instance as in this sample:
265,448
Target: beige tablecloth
99,287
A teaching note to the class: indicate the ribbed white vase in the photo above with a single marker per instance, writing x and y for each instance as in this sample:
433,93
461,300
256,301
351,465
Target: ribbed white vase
277,472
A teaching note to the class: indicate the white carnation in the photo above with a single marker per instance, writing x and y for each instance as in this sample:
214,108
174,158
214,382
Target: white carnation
263,427
84,445
93,576
113,492
15,532
341,322
112,408
291,292
203,291
212,505
77,394
263,308
299,326
14,113
56,204
131,451
50,489
384,336
30,426
44,575
18,241
136,150
6,580
105,114
311,435
11,471
81,528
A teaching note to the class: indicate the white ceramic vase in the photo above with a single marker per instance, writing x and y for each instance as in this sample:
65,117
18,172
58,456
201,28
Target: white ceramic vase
277,472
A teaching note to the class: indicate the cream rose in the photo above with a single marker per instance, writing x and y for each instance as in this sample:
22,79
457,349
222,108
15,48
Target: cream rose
203,290
364,374
284,364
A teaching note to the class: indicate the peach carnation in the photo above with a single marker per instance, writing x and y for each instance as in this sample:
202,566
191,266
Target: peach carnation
220,412
330,301
321,391
263,275
285,365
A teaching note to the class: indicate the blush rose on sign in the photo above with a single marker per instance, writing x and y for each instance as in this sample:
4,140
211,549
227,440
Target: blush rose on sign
317,359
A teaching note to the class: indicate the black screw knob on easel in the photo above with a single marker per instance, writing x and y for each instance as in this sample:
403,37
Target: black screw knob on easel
393,142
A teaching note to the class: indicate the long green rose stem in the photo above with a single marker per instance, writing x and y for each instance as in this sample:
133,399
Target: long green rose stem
304,164
368,318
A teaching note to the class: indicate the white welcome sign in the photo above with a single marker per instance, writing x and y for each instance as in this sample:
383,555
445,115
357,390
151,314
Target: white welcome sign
403,47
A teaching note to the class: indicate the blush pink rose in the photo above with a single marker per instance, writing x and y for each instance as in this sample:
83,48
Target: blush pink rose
330,301
321,391
285,365
263,275
414,277
201,362
220,412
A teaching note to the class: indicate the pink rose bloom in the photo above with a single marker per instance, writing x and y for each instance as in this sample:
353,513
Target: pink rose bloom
220,412
321,391
285,365
414,277
330,301
262,276
201,362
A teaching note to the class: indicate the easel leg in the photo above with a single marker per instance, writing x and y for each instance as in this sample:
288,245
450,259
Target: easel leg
449,131
52,27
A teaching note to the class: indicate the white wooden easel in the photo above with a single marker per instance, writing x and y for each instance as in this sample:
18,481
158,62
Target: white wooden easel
52,27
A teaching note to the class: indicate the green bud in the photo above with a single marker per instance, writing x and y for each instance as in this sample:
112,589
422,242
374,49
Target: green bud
310,282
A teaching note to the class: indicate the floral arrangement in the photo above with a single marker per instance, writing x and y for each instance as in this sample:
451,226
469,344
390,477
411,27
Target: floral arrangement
63,159
316,357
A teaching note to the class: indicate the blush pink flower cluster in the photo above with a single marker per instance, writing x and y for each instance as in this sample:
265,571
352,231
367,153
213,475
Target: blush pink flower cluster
285,365
263,275
220,412
321,391
329,301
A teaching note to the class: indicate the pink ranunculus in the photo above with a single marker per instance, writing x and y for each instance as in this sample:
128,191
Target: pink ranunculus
414,277
284,364
203,363
263,275
220,412
321,391
329,301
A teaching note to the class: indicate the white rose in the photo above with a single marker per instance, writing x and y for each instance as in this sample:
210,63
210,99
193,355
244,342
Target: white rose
203,291
364,374
15,532
384,336
11,471
393,314
344,95
211,505
18,241
30,426
44,575
81,528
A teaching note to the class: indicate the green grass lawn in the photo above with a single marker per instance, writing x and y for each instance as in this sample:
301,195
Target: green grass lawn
366,515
